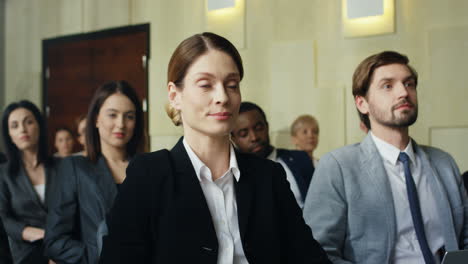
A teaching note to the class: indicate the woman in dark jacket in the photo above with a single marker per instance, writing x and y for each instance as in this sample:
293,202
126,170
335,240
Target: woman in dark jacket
203,202
88,186
26,181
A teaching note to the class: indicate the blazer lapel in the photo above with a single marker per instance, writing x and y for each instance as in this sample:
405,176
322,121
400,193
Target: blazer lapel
29,187
244,193
105,182
441,202
192,199
376,176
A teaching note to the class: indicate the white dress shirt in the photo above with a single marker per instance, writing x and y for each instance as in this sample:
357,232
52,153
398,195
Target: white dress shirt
220,196
289,176
40,190
407,249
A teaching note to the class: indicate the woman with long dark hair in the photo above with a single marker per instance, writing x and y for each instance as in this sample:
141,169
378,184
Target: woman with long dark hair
203,202
26,181
114,134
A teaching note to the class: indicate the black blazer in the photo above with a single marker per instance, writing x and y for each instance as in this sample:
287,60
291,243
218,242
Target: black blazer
85,193
161,215
20,206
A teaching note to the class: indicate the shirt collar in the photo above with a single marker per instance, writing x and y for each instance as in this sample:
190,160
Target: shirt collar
390,153
273,155
198,165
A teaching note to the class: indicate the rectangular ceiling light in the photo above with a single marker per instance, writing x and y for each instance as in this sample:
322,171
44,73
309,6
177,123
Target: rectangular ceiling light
364,8
220,4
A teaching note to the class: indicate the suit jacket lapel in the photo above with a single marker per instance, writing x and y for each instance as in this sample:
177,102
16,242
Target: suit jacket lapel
191,198
244,193
441,202
377,178
105,182
29,187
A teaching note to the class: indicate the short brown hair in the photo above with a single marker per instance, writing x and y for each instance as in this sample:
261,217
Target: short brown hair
93,142
188,52
363,74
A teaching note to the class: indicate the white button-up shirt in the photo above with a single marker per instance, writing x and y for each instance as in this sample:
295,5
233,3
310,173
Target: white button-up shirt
289,176
220,196
407,249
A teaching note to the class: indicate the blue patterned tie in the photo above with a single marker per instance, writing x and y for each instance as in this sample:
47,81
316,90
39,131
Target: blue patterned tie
416,210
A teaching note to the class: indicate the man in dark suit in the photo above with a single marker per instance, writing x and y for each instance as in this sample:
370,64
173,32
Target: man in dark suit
251,136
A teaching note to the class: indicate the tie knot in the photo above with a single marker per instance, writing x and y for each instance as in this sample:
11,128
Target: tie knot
403,157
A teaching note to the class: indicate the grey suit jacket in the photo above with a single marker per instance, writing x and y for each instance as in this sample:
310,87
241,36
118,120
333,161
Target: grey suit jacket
350,207
85,193
20,206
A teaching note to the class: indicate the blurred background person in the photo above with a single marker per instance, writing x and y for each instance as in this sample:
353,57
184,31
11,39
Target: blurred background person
114,134
26,181
81,134
305,135
64,142
251,135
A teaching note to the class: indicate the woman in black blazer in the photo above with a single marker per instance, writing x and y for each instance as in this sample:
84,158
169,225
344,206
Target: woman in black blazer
26,181
203,202
88,185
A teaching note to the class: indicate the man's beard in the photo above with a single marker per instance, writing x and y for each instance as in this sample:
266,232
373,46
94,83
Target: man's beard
405,119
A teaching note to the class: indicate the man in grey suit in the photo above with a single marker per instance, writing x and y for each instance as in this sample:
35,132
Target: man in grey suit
387,199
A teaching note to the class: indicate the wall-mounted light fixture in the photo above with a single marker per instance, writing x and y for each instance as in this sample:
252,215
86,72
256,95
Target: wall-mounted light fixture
227,18
368,17
219,4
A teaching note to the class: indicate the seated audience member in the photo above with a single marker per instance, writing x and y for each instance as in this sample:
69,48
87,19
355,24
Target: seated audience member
89,185
64,142
5,255
202,202
305,135
387,199
250,134
81,132
26,181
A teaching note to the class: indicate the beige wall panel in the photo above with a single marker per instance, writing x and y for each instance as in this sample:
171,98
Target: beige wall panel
454,141
447,87
291,90
141,11
447,13
104,14
70,16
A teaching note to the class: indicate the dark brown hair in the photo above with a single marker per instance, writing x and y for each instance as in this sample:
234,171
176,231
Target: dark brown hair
12,152
188,52
93,142
363,74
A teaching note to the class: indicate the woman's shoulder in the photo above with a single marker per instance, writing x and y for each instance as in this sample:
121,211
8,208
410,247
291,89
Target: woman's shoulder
153,159
253,162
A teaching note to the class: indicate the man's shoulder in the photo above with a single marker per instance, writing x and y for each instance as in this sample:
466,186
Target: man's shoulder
347,153
435,154
292,154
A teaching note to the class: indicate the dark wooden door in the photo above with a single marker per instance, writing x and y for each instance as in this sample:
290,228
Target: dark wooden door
75,66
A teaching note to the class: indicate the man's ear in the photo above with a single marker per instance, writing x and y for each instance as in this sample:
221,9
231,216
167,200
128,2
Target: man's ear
173,95
361,104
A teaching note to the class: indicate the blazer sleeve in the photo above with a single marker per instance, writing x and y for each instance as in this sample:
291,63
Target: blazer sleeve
130,222
13,226
325,208
61,240
300,244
